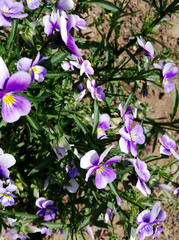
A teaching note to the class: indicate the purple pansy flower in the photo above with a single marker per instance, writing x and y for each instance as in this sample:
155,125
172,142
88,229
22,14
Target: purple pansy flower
72,170
27,65
6,196
6,161
46,209
65,4
146,219
168,146
33,4
143,175
148,48
76,22
131,137
103,126
169,71
95,92
177,192
10,9
92,162
13,106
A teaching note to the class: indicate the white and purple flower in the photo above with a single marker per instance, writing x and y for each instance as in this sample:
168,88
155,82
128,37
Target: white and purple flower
10,9
103,126
93,162
6,196
168,146
13,106
177,192
146,219
129,138
65,4
27,65
143,175
148,48
169,71
95,91
47,211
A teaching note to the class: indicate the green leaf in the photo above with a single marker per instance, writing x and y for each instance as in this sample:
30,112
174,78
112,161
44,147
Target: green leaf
53,225
87,220
57,58
130,98
102,224
13,33
34,123
175,102
106,5
96,116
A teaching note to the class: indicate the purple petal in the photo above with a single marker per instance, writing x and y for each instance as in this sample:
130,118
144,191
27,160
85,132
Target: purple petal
4,172
7,200
48,25
140,42
141,170
137,134
104,154
89,231
24,64
47,203
124,134
147,231
142,187
149,48
73,186
176,191
161,216
168,85
72,46
39,202
113,160
133,149
65,4
124,145
90,172
165,151
7,160
14,107
33,4
18,82
176,155
11,188
164,187
168,142
89,160
104,175
169,71
4,73
4,21
158,230
155,211
143,215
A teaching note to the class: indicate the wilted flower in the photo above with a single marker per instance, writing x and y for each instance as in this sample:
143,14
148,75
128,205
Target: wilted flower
10,9
146,219
6,196
143,175
46,209
13,106
60,151
131,137
95,91
168,146
6,161
148,48
27,65
92,162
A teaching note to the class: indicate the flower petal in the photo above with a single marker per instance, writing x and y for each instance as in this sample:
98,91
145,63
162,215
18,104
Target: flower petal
7,160
104,154
12,111
65,4
4,73
39,202
89,160
104,175
18,82
24,64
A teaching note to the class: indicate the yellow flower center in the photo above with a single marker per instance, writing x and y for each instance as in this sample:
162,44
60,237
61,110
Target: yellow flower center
8,99
36,70
100,169
165,82
132,135
99,130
